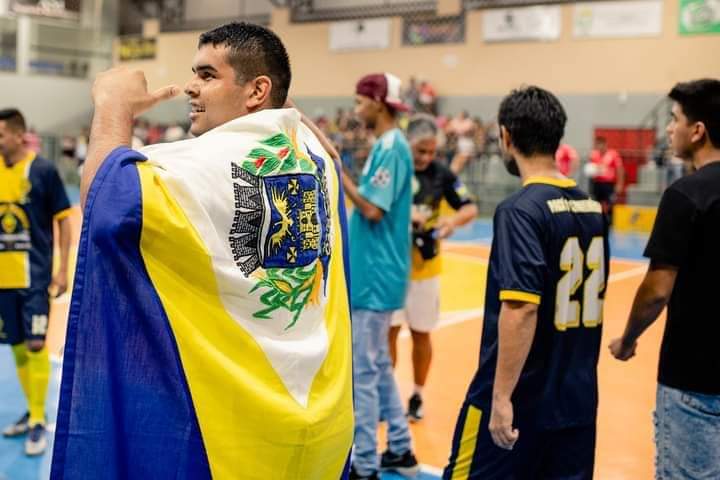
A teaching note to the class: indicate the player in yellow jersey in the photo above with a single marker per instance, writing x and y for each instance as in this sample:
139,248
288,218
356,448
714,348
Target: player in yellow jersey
32,199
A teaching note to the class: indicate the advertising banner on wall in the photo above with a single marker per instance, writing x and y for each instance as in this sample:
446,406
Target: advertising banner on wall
638,18
521,24
431,30
136,48
360,35
699,16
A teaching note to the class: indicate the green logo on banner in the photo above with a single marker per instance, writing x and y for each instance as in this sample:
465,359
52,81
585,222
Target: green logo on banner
699,16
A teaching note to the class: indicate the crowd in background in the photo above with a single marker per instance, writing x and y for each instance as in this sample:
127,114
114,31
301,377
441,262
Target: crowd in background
462,137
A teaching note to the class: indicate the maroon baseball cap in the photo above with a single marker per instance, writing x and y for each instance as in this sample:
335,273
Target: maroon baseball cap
382,87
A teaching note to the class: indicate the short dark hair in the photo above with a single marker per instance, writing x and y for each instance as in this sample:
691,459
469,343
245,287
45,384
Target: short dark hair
253,51
13,118
535,120
700,102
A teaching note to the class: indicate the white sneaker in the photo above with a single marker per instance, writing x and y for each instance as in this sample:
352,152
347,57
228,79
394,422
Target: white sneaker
18,428
36,442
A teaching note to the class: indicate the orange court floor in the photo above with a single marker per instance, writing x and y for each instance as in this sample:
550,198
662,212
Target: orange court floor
627,390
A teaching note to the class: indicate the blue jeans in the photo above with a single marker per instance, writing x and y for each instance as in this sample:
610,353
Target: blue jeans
687,435
376,393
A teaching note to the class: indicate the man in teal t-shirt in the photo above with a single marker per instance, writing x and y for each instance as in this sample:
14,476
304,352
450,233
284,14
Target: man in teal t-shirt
379,276
380,260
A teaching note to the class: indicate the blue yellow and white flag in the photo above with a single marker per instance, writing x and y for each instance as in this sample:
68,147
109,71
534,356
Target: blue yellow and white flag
209,331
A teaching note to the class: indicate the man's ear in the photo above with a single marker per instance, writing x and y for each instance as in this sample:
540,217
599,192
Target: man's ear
699,133
505,138
260,93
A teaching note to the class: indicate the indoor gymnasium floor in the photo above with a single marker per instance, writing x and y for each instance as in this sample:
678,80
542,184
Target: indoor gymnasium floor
624,449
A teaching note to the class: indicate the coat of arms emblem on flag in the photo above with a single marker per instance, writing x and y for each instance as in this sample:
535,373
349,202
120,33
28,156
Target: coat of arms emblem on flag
281,224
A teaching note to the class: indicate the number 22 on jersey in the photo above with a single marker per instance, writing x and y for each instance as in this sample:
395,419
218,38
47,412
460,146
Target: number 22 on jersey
572,260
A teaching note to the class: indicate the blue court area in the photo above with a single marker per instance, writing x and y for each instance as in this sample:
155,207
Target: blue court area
14,465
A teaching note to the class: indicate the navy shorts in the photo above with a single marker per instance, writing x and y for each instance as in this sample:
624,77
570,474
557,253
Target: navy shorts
23,315
567,454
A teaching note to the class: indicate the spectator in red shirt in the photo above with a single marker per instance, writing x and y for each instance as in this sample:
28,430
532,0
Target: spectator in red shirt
567,160
608,175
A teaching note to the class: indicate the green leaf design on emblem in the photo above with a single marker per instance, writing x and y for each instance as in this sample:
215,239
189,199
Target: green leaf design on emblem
286,288
278,141
279,154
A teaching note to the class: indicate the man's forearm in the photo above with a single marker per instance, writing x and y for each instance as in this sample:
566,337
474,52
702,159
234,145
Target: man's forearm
465,214
516,330
645,310
111,128
367,209
64,243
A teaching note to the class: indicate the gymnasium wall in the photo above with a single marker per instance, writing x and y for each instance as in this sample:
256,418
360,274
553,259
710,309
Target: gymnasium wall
51,104
612,82
568,65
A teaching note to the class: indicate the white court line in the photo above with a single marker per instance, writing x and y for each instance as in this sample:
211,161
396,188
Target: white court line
431,470
634,272
452,317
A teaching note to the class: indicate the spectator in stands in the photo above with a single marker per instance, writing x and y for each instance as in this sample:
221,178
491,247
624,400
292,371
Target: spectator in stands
567,160
492,135
354,145
480,135
608,175
411,96
427,98
140,130
155,134
462,129
341,119
174,133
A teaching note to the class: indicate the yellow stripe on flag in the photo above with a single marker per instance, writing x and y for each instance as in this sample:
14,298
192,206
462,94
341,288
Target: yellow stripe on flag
251,425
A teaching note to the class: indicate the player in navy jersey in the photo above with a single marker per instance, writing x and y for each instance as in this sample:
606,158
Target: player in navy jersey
530,411
32,200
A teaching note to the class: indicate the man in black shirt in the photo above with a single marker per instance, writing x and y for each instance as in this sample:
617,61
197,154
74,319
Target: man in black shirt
684,252
432,183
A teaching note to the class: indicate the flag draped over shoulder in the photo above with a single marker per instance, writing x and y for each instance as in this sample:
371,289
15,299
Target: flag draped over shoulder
209,330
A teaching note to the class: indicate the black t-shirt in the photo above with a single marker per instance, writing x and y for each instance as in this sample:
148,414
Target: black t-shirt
687,235
432,185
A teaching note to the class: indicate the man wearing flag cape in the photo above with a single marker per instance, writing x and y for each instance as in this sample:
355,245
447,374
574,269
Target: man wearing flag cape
209,332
